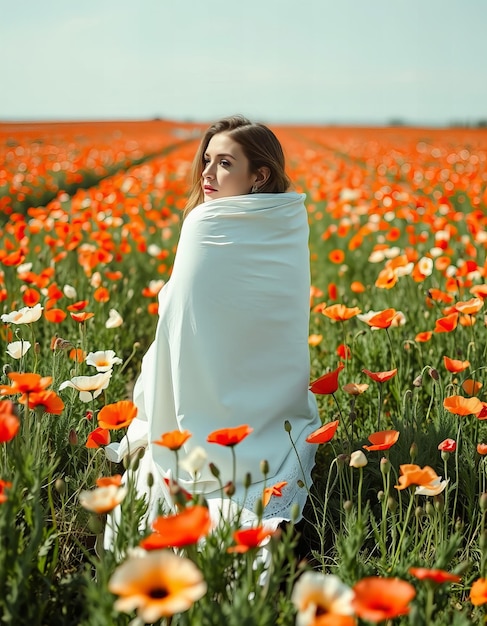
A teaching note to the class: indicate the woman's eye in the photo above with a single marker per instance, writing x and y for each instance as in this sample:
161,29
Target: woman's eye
225,163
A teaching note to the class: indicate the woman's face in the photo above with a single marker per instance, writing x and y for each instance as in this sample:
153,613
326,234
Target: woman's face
226,169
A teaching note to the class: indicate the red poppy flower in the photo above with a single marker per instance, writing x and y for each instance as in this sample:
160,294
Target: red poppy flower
344,352
324,434
105,481
229,436
4,484
77,306
47,399
379,599
446,324
182,529
328,383
98,437
382,440
478,592
448,445
424,336
436,575
249,538
482,448
25,384
9,422
380,377
173,439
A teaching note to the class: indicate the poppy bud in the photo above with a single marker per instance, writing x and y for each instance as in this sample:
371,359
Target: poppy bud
391,504
418,381
430,509
150,480
381,495
247,480
433,373
60,486
419,512
348,506
385,466
95,524
483,502
214,470
358,459
229,489
259,507
300,483
287,426
413,451
459,526
73,437
264,467
342,459
439,501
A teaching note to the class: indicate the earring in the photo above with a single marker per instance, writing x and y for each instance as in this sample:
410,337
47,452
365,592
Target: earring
255,189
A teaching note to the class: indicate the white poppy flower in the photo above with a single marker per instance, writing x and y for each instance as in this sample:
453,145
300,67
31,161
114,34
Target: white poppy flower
103,360
70,292
317,594
89,387
26,315
103,499
114,319
358,459
194,462
17,349
433,489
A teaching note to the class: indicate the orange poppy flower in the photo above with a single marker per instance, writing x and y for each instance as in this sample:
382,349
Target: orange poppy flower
446,324
25,384
4,484
275,490
479,291
77,354
340,313
101,294
436,575
355,389
439,296
387,279
56,316
379,599
315,340
424,336
9,422
249,538
478,592
383,319
173,439
470,307
328,383
380,377
357,287
337,256
47,399
382,440
415,475
104,481
229,436
324,434
117,415
454,365
178,530
82,317
471,387
458,405
482,448
98,437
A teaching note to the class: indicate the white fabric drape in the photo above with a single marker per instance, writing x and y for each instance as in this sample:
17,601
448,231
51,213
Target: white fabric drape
231,348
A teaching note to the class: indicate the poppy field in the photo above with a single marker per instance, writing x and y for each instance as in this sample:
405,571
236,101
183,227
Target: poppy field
395,529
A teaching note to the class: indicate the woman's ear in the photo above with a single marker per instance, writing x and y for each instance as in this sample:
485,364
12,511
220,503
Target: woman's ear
262,175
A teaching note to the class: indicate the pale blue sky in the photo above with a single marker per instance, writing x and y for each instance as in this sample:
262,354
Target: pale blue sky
317,61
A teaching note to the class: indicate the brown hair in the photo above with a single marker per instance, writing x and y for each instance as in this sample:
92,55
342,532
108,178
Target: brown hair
260,146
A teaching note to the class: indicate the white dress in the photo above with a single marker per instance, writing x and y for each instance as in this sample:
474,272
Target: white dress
231,348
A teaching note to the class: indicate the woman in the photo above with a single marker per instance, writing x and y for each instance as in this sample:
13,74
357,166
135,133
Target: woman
231,345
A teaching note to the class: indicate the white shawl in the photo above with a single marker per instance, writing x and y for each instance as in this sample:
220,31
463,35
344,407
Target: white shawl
231,348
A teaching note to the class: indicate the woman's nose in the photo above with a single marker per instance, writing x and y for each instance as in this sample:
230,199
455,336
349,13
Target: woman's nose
207,171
